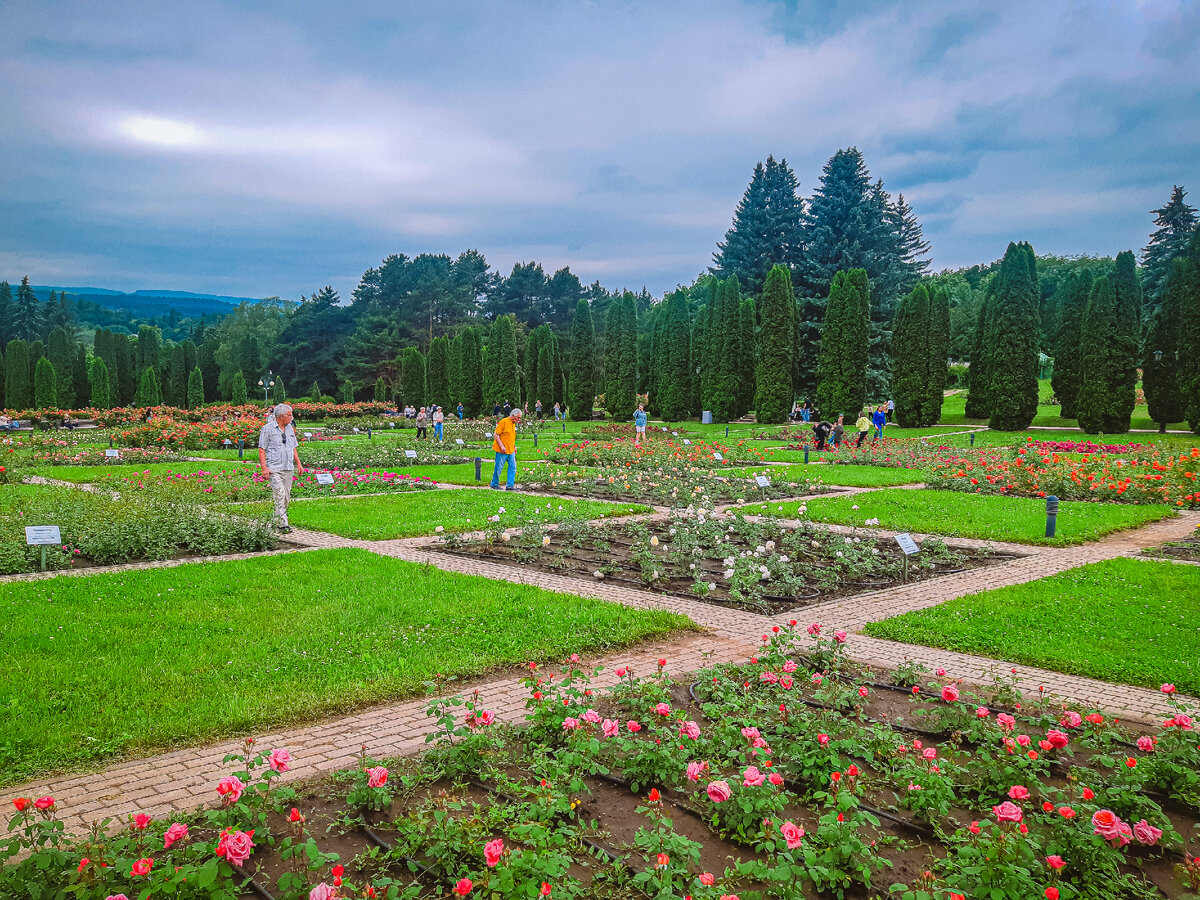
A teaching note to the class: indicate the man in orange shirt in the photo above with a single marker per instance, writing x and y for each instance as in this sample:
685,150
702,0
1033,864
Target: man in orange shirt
504,442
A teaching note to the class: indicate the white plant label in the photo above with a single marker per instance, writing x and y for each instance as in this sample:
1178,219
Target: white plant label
324,478
411,454
112,454
718,457
762,481
907,544
459,441
37,535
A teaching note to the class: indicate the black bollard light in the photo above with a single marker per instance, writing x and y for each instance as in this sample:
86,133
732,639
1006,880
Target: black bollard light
369,438
110,443
806,456
564,426
726,431
1051,515
972,439
479,468
535,439
241,446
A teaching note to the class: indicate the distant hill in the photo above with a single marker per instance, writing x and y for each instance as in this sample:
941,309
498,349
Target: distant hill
149,303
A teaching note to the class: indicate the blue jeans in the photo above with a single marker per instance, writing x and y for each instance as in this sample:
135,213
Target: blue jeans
437,431
878,431
805,414
509,460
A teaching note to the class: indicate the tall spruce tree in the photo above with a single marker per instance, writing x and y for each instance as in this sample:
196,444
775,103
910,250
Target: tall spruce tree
1013,339
581,379
545,374
100,397
237,389
45,385
842,356
675,376
149,393
126,375
471,364
412,376
502,363
767,228
1175,223
1126,339
1160,352
747,355
1097,405
724,351
61,355
620,358
456,373
911,332
79,374
438,377
939,354
6,300
26,317
195,389
773,381
18,389
1189,332
1071,300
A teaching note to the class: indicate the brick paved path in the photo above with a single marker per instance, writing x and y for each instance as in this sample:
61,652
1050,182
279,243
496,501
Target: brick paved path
186,778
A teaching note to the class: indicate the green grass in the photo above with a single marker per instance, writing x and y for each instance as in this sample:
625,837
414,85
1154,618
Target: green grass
989,518
464,473
119,664
91,474
386,516
845,475
1122,620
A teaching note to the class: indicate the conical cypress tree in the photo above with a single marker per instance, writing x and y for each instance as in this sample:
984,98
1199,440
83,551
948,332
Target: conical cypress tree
657,348
1071,302
939,354
620,358
560,377
582,376
911,341
1013,359
979,374
545,373
455,374
100,397
237,389
1189,332
747,316
845,335
1127,332
412,376
438,376
773,398
381,391
148,392
18,389
502,363
126,376
195,389
278,391
1160,352
45,385
79,374
1096,362
676,357
471,362
61,355
347,390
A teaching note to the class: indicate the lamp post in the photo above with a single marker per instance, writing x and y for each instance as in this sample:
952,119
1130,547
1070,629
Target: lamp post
266,383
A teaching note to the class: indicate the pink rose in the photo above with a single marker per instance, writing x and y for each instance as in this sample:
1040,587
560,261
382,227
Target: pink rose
570,723
610,728
1146,833
633,726
1145,743
1057,739
279,760
750,733
1007,812
485,717
690,730
792,833
591,716
981,712
1168,688
1055,862
377,777
1070,719
823,739
1006,721
789,667
117,897
775,778
142,867
814,629
1106,824
231,789
752,777
1018,792
176,832
1023,740
492,851
950,693
663,709
695,770
718,791
929,753
323,892
1184,722
235,846
840,637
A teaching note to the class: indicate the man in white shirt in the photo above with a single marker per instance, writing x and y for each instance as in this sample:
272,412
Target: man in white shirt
279,458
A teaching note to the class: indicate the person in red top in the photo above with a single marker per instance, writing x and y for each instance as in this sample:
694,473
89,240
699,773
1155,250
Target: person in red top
504,443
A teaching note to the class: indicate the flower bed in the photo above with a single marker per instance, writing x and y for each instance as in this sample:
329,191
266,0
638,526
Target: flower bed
725,560
767,779
654,453
250,484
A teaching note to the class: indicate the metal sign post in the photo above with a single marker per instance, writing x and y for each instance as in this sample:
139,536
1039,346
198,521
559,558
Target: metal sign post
908,547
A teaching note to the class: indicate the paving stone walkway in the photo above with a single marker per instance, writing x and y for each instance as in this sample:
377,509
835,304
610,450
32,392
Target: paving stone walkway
186,778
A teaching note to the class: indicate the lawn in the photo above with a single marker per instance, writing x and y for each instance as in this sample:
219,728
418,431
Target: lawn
1122,620
990,518
91,474
386,516
851,475
122,664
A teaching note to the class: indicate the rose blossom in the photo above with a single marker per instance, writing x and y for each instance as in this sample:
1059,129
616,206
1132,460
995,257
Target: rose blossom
463,887
1146,833
1006,721
142,867
610,728
950,693
231,789
1055,862
690,729
1007,812
570,723
633,726
44,803
752,777
814,629
235,846
141,822
775,778
840,637
718,791
1057,739
789,667
280,760
792,833
176,832
750,733
485,717
1145,743
823,739
1071,719
1018,792
1106,824
377,777
591,716
695,770
981,712
323,892
663,709
492,851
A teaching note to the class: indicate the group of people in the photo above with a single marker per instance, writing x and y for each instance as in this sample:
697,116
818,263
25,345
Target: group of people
830,434
503,409
437,416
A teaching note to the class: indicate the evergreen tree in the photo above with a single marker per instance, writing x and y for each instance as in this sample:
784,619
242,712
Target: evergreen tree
725,351
502,363
149,393
18,389
60,353
620,358
1189,332
100,397
150,351
175,384
1013,341
911,335
36,351
79,375
195,389
767,228
675,359
583,364
545,374
1160,353
278,391
126,377
438,377
314,393
347,391
412,376
1071,300
747,354
773,398
560,377
842,359
26,316
1125,340
237,389
454,372
6,299
1176,221
45,385
381,391
939,354
1096,407
471,360
206,361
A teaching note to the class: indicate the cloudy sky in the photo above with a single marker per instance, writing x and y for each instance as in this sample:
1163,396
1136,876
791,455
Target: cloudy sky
257,149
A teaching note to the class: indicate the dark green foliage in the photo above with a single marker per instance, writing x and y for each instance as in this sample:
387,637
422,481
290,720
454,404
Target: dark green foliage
278,391
939,354
412,376
533,354
45,385
773,398
26,315
767,228
505,382
18,389
1108,350
314,393
911,333
747,355
1126,338
471,366
1176,222
675,359
1013,341
237,389
1189,333
1071,299
1160,351
454,371
149,393
347,391
100,396
381,391
206,361
581,380
721,387
845,333
127,377
620,358
545,373
6,300
61,354
195,389
79,375
437,378
150,351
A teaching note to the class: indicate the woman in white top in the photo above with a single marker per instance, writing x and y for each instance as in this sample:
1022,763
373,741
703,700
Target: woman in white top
438,419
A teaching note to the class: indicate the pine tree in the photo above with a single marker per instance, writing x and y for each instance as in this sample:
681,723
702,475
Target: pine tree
278,391
911,335
6,299
842,359
1189,332
381,391
1071,300
620,358
502,363
1013,341
237,389
471,396
939,354
412,376
100,396
1176,221
773,381
61,356
767,228
45,385
438,376
26,317
1125,340
195,389
581,379
675,359
149,393
347,391
18,389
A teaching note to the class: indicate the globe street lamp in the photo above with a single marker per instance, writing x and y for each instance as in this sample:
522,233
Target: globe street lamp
266,383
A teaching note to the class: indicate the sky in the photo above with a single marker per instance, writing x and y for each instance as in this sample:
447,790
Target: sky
258,149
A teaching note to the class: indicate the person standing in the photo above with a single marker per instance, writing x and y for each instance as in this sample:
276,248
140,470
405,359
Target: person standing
460,412
557,411
279,459
880,419
508,408
537,410
806,411
821,433
863,425
504,443
639,425
438,419
496,410
891,408
422,423
839,429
